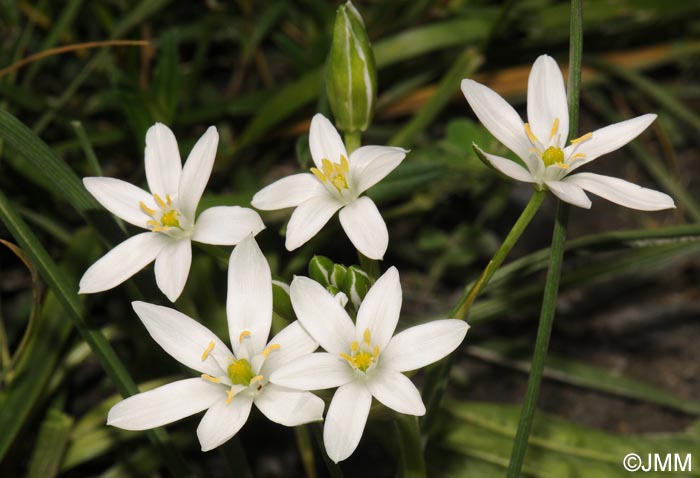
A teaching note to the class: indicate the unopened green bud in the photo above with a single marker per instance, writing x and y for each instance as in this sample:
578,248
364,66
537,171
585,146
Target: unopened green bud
320,269
351,77
338,274
355,285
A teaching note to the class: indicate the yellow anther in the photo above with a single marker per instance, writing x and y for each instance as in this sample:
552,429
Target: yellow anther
168,199
327,167
153,223
577,156
555,128
348,358
581,138
211,379
208,350
317,172
160,202
530,134
366,337
354,346
158,229
376,351
229,396
270,348
562,165
345,166
146,209
256,379
244,334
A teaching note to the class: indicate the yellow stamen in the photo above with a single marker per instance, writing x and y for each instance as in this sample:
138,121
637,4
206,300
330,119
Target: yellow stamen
255,379
327,167
562,165
530,134
160,202
229,395
376,351
577,156
146,209
354,346
345,166
168,199
555,128
270,348
317,172
366,338
363,360
581,138
211,379
208,350
244,334
348,358
153,223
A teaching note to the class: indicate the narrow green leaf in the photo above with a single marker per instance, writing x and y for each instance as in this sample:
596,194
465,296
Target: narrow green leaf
51,445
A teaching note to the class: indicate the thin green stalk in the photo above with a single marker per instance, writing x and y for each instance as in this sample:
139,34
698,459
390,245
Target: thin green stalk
551,288
353,140
544,330
462,308
95,168
410,447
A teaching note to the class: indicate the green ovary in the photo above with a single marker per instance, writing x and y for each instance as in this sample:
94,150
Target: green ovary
553,155
240,372
169,219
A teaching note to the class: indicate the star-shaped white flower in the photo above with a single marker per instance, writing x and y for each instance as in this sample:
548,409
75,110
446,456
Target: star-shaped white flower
231,382
363,359
337,182
168,212
541,143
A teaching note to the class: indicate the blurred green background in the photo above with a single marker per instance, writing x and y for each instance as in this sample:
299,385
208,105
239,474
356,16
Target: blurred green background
624,371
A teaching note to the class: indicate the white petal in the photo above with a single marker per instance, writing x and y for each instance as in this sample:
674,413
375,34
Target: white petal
379,311
546,100
622,192
309,218
173,267
289,407
181,337
324,141
164,405
508,167
294,342
497,116
608,139
288,192
316,371
346,419
371,164
122,262
226,225
222,421
423,344
163,164
249,300
365,227
321,315
196,172
396,391
569,192
121,198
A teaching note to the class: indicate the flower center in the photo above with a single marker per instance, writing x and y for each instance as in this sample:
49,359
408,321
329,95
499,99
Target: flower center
333,173
362,356
163,219
240,373
553,155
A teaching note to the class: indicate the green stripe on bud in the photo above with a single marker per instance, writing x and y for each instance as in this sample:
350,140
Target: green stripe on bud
355,284
351,75
320,268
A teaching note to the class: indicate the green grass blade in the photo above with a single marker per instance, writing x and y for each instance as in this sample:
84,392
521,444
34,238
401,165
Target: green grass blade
51,445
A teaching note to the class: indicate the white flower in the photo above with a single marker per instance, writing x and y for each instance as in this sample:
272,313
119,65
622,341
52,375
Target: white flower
168,212
541,143
363,359
231,381
336,183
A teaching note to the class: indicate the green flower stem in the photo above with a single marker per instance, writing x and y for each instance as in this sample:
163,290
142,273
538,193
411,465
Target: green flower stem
551,287
410,447
437,376
353,140
462,308
542,343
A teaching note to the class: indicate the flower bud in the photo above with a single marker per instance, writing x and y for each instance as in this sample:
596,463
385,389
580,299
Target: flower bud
351,75
355,284
320,268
